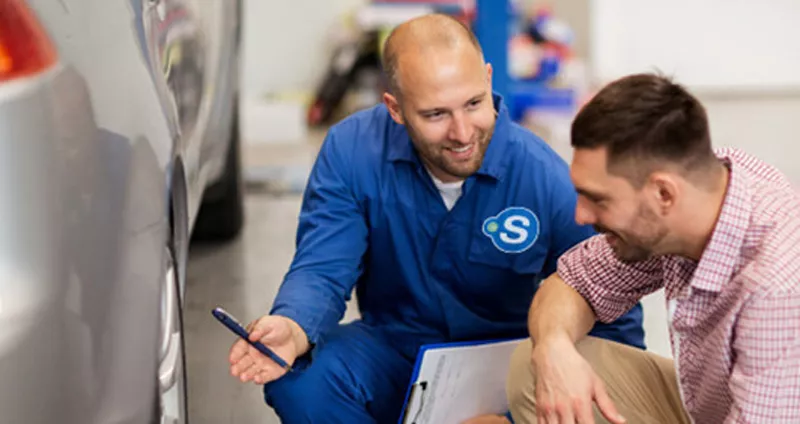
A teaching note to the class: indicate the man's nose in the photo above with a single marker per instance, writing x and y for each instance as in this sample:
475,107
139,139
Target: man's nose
584,216
460,129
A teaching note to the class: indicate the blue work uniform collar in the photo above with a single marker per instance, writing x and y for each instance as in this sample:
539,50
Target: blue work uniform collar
402,149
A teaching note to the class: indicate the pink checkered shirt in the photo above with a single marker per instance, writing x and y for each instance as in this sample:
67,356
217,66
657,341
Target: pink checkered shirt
735,314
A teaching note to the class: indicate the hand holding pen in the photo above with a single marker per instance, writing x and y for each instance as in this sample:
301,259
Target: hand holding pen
284,341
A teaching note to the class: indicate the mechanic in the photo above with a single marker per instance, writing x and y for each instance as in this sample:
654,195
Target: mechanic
443,214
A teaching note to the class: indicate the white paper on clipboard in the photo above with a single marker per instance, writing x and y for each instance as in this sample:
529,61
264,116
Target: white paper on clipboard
455,383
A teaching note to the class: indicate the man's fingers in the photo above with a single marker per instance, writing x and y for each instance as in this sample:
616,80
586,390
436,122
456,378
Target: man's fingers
583,412
605,404
252,357
261,378
238,351
259,370
565,415
265,376
268,334
259,333
250,372
240,366
246,376
545,406
257,328
541,418
269,374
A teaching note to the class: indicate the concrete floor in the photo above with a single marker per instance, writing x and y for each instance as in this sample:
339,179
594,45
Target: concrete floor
243,278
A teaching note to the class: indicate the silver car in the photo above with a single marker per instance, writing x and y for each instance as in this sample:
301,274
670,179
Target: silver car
118,144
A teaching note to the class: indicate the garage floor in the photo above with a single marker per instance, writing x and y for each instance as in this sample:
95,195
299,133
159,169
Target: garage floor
243,278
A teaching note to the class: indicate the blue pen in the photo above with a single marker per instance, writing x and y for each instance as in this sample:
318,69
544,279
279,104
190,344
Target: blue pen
229,321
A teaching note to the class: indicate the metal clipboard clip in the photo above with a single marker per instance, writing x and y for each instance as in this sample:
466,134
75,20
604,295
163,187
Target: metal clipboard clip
418,387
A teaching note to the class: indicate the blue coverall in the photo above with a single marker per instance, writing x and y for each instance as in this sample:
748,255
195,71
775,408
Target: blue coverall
372,218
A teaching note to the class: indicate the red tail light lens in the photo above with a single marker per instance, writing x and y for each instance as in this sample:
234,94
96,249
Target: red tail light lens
25,48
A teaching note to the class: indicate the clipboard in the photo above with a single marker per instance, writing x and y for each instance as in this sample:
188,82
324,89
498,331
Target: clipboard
453,382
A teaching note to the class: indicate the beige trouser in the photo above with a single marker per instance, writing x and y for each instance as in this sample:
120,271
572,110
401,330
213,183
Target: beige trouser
642,385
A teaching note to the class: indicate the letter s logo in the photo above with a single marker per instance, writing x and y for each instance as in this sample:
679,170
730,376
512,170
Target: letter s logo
513,230
517,225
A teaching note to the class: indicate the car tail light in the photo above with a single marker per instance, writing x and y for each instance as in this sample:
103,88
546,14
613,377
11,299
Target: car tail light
25,48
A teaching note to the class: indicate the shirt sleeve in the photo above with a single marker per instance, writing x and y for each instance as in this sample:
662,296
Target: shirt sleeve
610,286
765,381
331,241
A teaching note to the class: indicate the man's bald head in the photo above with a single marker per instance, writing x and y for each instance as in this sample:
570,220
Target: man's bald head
424,35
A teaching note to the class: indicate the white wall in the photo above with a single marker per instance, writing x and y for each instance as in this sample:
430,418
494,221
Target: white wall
710,45
767,127
285,42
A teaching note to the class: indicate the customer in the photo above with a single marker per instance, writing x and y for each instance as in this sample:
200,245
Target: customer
719,232
441,212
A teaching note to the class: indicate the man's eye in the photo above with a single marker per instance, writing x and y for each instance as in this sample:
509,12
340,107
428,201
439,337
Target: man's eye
475,103
434,115
595,200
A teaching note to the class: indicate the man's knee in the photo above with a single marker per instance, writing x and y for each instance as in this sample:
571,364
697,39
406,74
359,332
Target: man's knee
353,377
520,382
311,395
289,396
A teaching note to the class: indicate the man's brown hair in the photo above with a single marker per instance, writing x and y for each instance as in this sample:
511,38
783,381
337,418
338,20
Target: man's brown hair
645,121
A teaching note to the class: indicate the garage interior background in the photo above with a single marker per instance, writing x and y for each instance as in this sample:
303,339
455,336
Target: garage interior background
741,58
736,55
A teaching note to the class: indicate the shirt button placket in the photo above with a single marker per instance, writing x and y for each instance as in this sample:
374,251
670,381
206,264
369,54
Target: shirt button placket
672,308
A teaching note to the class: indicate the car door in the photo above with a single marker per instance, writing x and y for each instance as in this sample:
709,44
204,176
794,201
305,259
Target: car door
194,46
99,147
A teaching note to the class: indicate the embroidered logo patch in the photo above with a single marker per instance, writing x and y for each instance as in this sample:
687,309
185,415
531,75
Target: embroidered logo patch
514,230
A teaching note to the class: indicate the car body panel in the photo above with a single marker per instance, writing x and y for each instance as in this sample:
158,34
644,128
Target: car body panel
83,259
88,153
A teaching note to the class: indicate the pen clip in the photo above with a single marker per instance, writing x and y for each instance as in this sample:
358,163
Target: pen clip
228,316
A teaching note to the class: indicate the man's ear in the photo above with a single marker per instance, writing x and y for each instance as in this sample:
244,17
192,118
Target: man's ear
489,74
394,108
665,190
